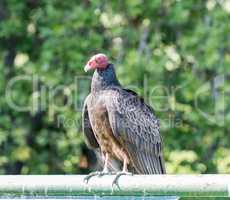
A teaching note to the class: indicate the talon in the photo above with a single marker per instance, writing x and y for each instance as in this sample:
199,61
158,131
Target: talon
97,173
118,175
86,179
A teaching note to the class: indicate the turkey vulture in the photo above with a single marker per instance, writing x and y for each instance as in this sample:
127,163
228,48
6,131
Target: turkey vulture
119,123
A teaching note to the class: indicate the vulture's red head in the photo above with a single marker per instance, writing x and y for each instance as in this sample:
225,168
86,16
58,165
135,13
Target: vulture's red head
98,61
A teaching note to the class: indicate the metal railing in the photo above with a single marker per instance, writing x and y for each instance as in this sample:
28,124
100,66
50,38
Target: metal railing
136,185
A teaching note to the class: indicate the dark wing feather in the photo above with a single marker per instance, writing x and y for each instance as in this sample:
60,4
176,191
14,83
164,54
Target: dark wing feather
135,126
90,139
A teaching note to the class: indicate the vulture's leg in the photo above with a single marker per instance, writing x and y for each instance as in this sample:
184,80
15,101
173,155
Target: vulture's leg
105,170
123,172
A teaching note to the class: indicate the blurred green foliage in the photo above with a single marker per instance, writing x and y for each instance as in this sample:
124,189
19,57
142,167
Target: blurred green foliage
175,53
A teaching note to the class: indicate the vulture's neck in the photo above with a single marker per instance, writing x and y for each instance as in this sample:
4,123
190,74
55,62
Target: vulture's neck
103,79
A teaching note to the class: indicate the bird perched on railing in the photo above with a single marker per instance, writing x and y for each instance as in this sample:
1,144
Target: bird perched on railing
120,124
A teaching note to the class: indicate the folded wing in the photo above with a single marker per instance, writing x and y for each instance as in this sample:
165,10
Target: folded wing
89,136
135,126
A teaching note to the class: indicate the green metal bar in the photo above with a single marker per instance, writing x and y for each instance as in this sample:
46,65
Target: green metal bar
137,185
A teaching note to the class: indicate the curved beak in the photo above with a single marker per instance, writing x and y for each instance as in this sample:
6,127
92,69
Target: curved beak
87,67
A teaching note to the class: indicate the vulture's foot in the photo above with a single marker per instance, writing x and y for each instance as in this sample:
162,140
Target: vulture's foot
97,173
89,176
118,175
